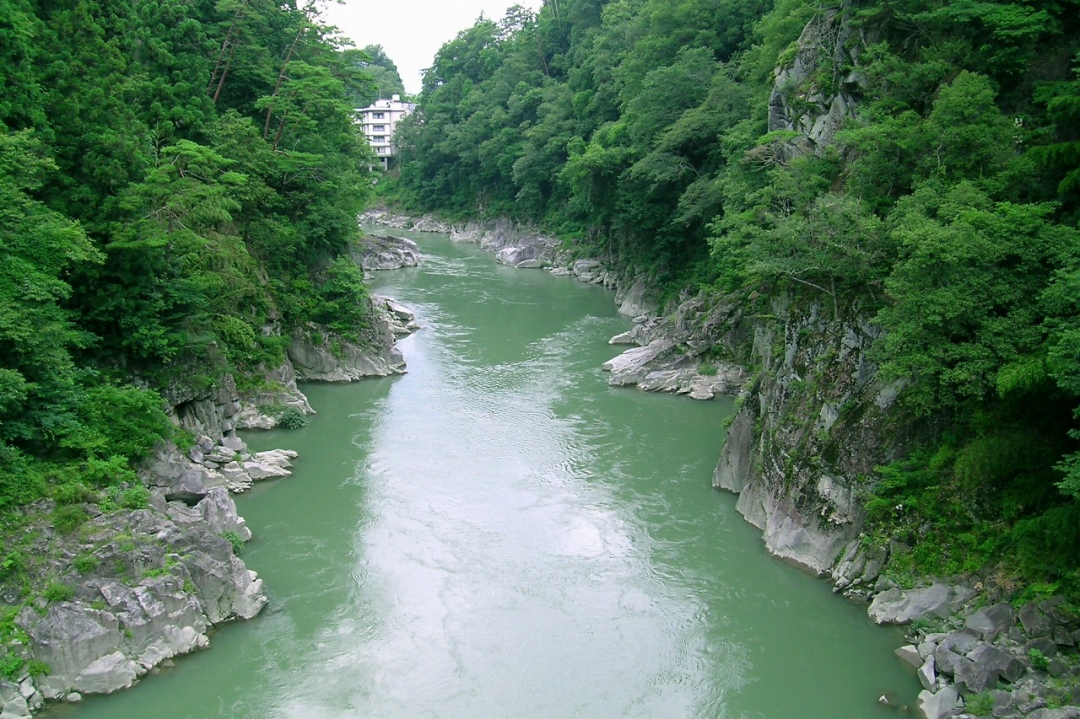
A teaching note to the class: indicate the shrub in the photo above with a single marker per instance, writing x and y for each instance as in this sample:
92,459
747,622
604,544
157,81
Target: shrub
58,592
11,564
234,539
69,517
73,493
292,418
136,497
38,668
85,563
980,705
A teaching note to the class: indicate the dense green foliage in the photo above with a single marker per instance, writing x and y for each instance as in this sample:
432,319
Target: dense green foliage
385,81
178,181
946,207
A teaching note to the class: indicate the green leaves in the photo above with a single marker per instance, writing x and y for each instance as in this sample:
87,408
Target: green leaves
191,165
966,293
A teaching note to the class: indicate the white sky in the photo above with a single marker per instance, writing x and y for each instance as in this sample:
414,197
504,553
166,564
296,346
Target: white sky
412,31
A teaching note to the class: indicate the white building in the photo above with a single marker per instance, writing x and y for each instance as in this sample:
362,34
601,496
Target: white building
379,121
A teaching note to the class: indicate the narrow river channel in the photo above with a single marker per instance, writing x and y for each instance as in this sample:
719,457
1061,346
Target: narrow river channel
500,534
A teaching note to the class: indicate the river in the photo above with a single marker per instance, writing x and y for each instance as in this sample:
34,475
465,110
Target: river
498,533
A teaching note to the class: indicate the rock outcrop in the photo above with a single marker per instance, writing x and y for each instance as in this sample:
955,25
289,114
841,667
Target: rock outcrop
811,96
145,578
390,218
320,355
139,587
806,433
514,245
376,252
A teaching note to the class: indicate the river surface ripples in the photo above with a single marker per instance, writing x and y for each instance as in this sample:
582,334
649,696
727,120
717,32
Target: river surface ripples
498,533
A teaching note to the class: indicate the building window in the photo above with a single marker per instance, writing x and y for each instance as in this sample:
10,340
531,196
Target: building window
379,128
379,138
378,115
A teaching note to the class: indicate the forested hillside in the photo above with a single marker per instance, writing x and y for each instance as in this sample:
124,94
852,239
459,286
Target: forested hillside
914,162
178,180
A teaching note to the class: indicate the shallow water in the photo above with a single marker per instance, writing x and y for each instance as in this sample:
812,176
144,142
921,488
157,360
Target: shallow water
498,533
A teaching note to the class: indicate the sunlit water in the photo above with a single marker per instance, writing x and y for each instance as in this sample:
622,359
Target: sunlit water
498,533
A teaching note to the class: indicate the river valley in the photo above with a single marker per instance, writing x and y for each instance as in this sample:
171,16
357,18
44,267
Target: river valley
499,533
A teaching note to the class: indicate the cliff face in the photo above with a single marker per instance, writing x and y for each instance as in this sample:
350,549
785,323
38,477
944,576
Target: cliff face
811,427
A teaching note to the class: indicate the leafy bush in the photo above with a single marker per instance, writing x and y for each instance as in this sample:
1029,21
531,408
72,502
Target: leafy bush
38,668
11,564
121,422
980,705
11,665
73,493
85,563
234,539
136,497
69,517
292,418
58,592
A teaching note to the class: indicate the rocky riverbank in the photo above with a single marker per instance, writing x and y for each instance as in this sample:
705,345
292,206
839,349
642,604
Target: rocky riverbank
116,584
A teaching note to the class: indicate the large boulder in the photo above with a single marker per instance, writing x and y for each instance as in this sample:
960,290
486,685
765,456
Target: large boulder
634,365
983,667
990,622
903,606
938,705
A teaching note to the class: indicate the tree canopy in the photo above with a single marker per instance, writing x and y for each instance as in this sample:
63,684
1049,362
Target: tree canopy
178,182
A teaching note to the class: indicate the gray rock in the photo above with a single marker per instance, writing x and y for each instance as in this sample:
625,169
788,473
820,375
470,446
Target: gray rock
12,702
635,301
938,705
107,674
1034,621
902,606
188,487
990,622
1062,713
218,511
336,360
1005,704
927,674
909,654
632,366
945,660
972,678
386,252
983,667
735,468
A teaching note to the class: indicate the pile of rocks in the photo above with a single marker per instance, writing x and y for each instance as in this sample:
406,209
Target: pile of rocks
993,660
208,464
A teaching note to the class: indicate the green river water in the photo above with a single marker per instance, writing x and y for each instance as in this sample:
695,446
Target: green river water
498,533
